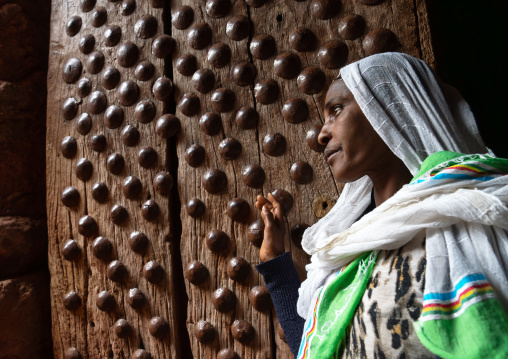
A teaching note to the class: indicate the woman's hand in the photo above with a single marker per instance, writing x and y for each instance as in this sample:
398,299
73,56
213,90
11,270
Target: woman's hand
273,216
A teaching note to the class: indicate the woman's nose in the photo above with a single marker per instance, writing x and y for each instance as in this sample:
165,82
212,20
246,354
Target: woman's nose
324,135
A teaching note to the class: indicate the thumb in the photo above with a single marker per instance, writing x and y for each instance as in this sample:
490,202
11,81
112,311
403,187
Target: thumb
267,215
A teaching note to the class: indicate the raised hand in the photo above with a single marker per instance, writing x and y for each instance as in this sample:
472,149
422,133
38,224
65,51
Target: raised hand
273,216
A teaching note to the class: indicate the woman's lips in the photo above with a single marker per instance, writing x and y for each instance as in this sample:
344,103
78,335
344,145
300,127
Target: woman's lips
329,153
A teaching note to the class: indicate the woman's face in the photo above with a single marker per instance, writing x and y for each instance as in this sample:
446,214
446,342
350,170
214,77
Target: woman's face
353,148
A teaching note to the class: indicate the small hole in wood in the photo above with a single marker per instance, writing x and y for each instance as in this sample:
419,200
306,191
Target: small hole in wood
324,205
279,18
92,324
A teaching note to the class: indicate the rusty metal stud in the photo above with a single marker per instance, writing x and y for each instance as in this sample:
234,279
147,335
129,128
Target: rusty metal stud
84,124
99,17
263,46
284,198
157,3
182,17
147,157
238,210
238,27
115,163
98,143
110,78
69,108
130,136
162,88
136,298
72,70
87,226
97,102
141,354
266,91
214,181
144,71
145,111
210,123
227,353
84,87
297,234
199,36
351,26
127,54
378,41
118,214
138,242
150,210
247,118
223,100
302,39
194,155
203,80
70,197
128,93
153,272
186,64
122,328
301,172
86,44
243,73
238,269
72,301
189,104
163,46
274,144
84,169
162,183
112,35
253,176
72,353
230,148
255,232
312,138
219,55
158,327
116,271
146,27
295,110
102,248
324,9
287,65
224,300
87,5
71,250
132,187
260,298
69,147
217,241
100,192
73,25
242,331
95,62
217,8
311,80
167,126
196,273
113,117
333,54
128,7
105,301
195,207
204,332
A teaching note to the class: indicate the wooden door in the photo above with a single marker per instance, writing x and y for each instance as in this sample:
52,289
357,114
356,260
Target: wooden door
165,121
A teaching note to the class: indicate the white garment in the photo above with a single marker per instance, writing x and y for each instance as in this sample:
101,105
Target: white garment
405,104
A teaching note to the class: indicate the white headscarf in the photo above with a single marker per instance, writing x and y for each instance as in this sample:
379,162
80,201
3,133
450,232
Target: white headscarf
416,116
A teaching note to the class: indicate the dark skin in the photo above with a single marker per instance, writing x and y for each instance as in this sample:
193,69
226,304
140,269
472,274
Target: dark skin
353,150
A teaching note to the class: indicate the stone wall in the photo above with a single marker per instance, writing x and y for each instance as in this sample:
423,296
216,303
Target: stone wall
24,279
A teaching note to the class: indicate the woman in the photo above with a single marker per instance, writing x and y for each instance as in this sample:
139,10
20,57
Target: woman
412,260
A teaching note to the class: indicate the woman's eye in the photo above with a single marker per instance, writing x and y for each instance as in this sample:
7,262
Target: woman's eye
337,109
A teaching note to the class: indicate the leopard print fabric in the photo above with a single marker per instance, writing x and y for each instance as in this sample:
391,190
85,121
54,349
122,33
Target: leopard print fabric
382,325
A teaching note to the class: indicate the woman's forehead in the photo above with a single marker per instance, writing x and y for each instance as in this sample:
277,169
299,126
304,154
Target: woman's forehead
337,89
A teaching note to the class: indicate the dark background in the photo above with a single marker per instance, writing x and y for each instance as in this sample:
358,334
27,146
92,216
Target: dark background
470,40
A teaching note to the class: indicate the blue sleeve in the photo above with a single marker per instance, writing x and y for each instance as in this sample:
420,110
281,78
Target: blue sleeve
283,282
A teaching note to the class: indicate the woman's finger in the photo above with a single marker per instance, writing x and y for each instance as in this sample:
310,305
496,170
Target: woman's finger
267,215
261,201
278,212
